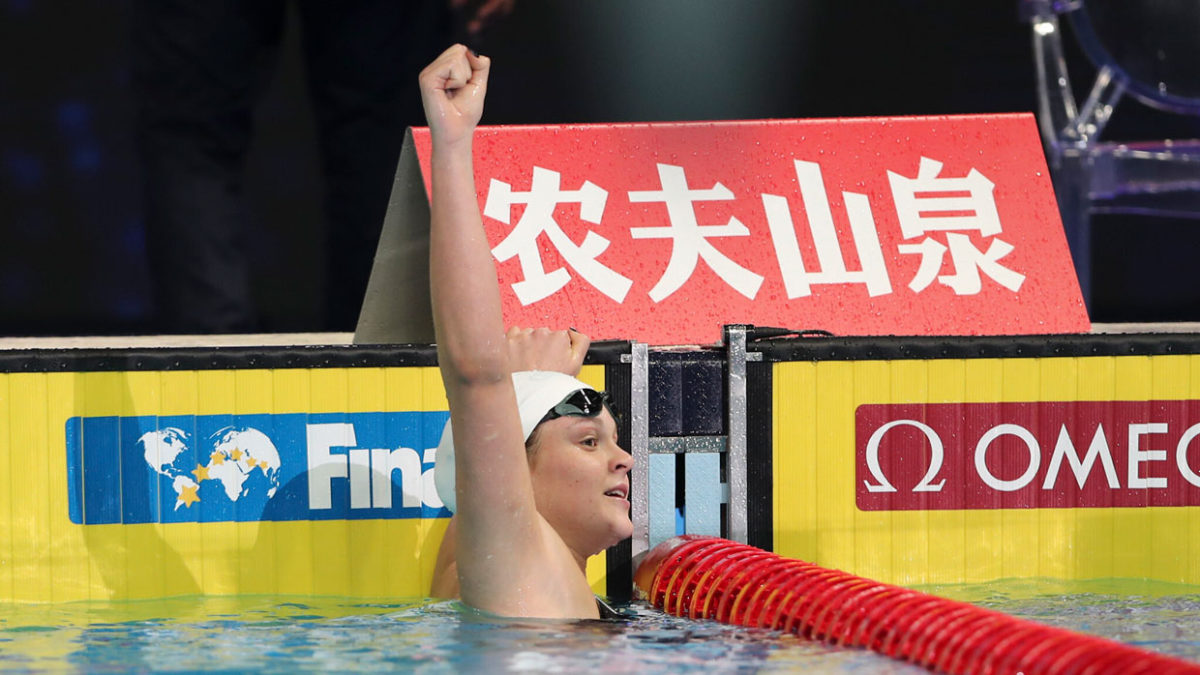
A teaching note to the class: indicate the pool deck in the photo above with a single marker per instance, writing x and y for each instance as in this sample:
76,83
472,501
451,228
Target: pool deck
346,339
144,341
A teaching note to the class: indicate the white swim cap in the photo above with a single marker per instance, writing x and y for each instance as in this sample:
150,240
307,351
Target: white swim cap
537,392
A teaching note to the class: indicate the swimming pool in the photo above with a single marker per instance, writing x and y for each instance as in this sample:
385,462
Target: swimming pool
288,634
104,565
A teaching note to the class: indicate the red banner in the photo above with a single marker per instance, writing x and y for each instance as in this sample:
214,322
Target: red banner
665,232
1027,455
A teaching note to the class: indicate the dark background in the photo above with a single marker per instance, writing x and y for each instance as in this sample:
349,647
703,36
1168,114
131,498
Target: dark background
72,252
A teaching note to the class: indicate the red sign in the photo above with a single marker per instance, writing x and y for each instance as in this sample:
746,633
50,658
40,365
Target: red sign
1027,455
665,232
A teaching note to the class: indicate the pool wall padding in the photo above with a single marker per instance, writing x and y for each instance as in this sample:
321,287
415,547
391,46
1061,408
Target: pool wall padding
57,544
828,396
74,526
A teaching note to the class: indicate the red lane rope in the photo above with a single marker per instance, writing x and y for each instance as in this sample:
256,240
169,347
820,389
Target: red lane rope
711,578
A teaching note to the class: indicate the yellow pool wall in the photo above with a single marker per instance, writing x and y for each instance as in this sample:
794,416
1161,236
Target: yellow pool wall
816,517
44,557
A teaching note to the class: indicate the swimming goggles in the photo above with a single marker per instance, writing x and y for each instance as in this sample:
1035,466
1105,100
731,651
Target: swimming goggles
580,403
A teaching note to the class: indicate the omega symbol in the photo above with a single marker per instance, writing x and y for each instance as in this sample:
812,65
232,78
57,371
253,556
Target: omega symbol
937,453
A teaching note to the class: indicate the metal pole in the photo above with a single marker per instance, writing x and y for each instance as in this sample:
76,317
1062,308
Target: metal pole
639,446
735,456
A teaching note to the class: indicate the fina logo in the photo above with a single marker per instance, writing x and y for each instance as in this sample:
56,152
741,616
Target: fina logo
241,461
369,470
219,468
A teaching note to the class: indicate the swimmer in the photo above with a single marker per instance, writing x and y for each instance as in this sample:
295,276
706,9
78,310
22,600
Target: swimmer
533,469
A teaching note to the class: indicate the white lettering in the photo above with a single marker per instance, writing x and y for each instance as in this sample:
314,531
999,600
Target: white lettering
936,456
1181,451
429,493
1097,450
323,465
1138,456
370,471
360,478
383,463
381,478
690,238
1035,457
545,194
921,210
797,279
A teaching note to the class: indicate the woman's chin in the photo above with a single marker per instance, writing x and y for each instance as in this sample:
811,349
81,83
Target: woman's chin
619,533
622,532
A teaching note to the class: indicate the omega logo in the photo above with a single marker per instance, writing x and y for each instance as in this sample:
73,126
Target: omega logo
1038,448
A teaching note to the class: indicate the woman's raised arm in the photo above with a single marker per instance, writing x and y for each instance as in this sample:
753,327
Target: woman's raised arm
466,299
498,525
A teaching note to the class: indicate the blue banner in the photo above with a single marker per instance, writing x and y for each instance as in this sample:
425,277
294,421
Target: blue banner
219,468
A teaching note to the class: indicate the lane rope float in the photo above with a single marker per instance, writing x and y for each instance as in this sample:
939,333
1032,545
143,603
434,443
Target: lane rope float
711,578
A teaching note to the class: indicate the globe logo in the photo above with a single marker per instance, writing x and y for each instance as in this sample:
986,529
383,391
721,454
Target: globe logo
242,461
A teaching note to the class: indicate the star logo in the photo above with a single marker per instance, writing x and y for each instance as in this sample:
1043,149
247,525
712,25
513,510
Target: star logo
188,496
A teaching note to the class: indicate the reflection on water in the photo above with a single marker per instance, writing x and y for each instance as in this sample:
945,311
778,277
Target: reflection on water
1159,616
273,634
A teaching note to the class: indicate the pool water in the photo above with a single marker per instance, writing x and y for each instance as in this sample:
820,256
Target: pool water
295,635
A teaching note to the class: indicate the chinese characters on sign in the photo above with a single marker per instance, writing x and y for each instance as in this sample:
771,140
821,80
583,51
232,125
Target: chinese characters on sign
953,213
540,201
664,233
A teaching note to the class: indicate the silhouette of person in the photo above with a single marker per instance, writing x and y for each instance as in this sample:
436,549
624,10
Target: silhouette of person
199,68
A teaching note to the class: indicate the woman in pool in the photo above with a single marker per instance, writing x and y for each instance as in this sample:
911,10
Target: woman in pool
539,480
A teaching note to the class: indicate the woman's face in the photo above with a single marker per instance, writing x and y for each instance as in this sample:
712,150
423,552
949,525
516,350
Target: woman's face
581,481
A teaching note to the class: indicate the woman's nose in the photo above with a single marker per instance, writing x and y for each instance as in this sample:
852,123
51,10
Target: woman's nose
622,461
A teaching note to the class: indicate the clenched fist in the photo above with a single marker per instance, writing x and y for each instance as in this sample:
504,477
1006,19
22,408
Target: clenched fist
452,90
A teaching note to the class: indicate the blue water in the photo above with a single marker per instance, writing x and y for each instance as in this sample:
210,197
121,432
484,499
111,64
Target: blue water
297,635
